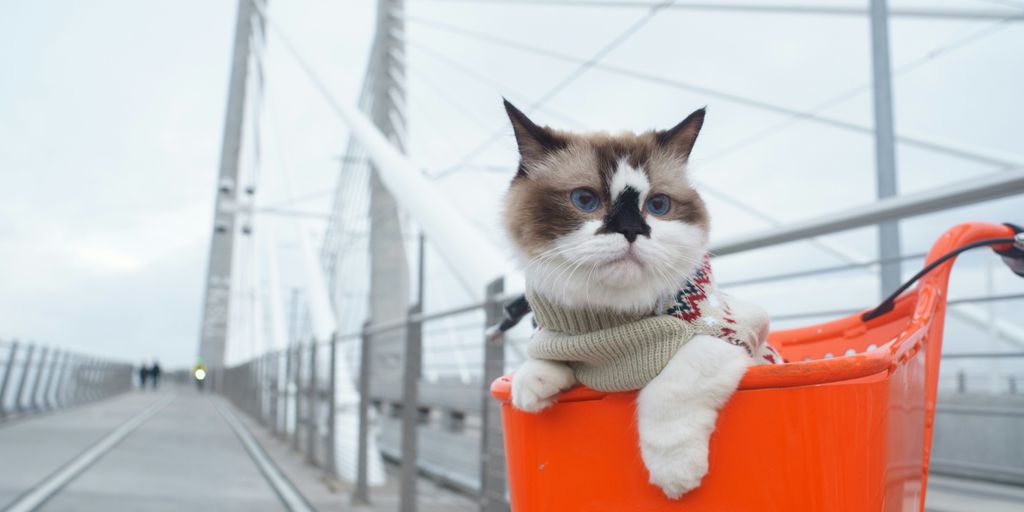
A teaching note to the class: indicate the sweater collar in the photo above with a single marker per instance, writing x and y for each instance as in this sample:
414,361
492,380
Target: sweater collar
558,318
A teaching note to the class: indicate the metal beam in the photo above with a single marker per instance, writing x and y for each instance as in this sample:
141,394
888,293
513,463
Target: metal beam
474,258
885,147
214,327
798,9
993,186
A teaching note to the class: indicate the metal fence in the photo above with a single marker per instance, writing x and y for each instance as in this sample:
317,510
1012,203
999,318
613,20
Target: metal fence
449,429
35,378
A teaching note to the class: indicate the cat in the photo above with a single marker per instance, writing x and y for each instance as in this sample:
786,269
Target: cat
614,242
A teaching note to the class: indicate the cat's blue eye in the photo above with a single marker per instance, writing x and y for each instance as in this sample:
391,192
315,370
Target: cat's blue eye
658,205
585,199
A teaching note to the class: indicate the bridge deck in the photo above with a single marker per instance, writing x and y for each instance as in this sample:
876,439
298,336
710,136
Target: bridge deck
173,450
181,450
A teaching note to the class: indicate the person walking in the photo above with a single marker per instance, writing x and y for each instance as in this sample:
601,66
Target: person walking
154,374
143,375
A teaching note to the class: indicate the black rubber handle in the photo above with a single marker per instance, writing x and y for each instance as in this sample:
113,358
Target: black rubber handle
1013,257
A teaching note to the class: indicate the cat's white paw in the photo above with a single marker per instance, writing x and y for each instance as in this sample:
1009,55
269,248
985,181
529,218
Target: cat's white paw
536,384
676,412
679,469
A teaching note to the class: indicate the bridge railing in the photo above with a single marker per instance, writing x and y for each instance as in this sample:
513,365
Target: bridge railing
452,433
35,378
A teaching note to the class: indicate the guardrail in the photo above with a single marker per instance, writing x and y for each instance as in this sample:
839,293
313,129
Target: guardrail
452,433
990,407
36,378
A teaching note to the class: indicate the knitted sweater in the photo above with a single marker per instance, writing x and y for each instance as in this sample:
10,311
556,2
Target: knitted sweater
614,351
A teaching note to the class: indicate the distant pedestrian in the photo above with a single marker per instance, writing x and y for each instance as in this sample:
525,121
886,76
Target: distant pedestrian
143,375
154,374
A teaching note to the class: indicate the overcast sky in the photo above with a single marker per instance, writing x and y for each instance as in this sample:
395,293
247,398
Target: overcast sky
111,115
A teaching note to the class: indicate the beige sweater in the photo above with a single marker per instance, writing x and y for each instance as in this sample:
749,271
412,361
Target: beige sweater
615,351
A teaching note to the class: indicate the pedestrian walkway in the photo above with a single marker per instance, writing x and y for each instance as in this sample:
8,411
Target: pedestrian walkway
173,450
182,450
327,494
948,494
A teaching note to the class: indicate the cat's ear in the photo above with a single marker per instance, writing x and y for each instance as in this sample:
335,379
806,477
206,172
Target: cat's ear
534,141
681,137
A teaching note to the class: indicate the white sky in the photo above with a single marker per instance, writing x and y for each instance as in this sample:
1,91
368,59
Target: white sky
111,115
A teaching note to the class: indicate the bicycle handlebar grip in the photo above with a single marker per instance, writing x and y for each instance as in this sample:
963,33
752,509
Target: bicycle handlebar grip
1014,256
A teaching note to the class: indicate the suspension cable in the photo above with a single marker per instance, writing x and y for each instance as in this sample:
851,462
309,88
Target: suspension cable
988,157
566,81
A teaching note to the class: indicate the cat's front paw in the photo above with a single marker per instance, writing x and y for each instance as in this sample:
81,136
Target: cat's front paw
536,384
678,470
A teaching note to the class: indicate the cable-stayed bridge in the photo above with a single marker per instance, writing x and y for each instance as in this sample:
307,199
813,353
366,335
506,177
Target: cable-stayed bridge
347,352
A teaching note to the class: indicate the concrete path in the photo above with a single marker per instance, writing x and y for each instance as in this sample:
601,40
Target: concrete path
181,450
948,494
33,448
327,494
169,451
183,457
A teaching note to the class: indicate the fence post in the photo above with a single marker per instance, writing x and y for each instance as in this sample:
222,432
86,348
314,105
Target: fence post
255,388
95,377
102,382
90,376
275,395
332,408
362,491
410,408
59,369
961,382
64,397
55,366
263,389
269,394
82,381
37,379
312,406
11,356
20,393
286,392
298,397
492,447
75,391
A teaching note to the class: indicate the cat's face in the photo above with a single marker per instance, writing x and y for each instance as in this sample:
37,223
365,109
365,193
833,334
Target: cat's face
606,220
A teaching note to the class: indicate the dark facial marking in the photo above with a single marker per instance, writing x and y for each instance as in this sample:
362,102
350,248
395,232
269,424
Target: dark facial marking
553,217
624,216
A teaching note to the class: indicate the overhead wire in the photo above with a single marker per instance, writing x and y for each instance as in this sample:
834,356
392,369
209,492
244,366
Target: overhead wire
987,157
854,92
568,80
759,8
484,79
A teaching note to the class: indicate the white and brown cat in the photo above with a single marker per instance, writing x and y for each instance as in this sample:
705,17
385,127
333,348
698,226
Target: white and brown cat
611,224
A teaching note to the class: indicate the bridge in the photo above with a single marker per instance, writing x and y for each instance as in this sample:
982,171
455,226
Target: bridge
346,334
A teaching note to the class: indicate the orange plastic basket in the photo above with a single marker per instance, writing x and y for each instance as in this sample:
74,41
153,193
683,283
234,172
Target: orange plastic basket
846,426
